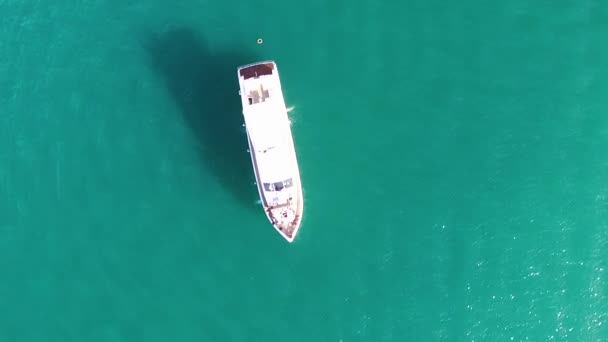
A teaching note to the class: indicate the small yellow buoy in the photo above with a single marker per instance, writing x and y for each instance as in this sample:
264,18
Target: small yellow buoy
260,41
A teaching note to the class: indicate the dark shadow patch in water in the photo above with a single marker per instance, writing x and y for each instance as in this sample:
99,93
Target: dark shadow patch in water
204,84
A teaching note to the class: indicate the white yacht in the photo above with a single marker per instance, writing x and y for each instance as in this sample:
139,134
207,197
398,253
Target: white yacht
271,146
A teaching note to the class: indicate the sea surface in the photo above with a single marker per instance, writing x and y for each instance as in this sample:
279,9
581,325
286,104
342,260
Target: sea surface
454,157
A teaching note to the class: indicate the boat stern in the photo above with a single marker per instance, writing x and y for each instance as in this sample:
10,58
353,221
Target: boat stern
256,70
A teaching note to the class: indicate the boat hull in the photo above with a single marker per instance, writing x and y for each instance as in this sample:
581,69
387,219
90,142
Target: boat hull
284,215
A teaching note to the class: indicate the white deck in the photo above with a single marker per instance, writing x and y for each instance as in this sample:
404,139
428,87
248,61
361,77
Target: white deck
268,130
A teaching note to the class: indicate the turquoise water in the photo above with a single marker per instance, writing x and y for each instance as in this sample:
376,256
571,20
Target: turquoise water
453,158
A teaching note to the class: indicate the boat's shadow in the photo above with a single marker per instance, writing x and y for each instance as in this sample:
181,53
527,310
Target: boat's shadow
204,84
